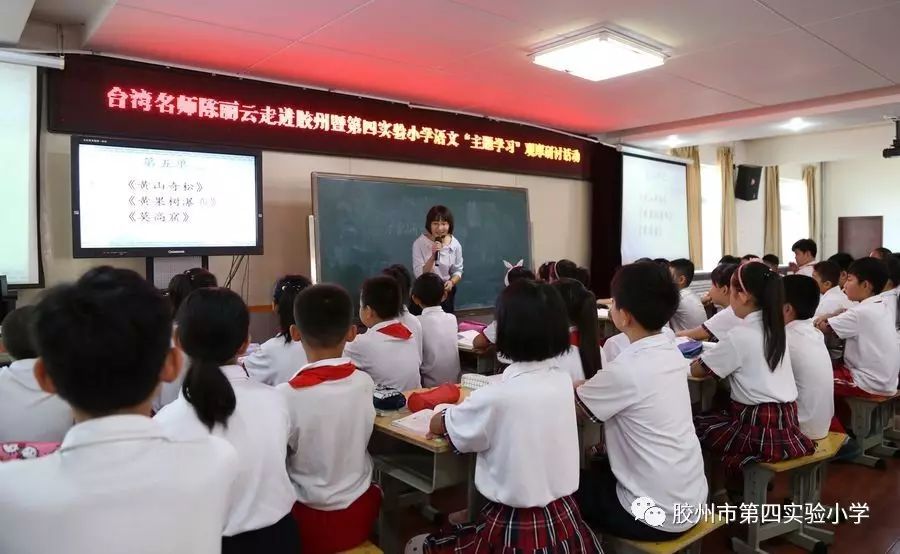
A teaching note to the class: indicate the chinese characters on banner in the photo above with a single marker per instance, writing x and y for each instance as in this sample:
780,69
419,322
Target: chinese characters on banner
161,202
200,107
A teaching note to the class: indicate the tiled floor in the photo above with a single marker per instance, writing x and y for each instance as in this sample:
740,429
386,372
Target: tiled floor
845,483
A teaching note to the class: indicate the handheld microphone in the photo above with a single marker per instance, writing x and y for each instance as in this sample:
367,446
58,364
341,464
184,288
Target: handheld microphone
437,254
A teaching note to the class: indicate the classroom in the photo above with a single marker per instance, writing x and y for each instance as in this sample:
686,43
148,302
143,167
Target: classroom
433,276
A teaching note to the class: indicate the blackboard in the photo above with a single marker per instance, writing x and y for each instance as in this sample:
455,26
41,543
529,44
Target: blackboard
363,224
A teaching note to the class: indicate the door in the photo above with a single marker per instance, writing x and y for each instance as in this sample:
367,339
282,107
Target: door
858,236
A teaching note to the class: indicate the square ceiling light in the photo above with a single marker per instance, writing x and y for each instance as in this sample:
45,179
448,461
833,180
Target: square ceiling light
599,55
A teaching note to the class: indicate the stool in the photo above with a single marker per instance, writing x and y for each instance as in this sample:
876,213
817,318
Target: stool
868,419
807,474
688,543
364,548
892,430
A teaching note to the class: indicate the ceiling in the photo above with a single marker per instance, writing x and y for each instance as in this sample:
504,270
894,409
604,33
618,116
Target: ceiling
750,63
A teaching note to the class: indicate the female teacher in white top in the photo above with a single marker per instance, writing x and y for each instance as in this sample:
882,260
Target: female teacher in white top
437,251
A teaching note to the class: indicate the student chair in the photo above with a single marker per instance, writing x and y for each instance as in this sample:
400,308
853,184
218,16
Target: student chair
807,475
689,543
869,417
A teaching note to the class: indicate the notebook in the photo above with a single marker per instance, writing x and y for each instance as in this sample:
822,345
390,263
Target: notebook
418,423
466,339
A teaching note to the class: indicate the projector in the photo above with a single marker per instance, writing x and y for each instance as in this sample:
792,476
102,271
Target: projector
894,150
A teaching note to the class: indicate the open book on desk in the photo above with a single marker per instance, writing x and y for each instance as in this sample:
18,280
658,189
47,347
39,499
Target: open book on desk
418,423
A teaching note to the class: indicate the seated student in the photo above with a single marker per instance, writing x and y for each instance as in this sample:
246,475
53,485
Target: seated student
440,352
891,293
330,402
547,272
27,413
827,276
407,317
729,259
118,483
880,253
809,357
805,251
762,424
772,261
489,336
524,432
716,327
387,352
279,358
566,268
643,401
180,286
844,261
219,397
871,356
749,258
690,313
583,276
584,357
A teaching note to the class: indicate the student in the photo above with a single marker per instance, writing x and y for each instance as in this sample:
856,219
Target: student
524,432
489,336
332,416
749,258
118,483
729,259
805,251
387,352
809,357
891,293
690,313
643,401
440,357
407,317
219,397
547,272
566,269
880,253
716,327
27,413
772,261
583,275
180,286
762,423
844,261
871,356
279,358
584,357
827,276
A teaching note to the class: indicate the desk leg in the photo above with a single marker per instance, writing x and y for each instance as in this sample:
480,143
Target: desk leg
390,504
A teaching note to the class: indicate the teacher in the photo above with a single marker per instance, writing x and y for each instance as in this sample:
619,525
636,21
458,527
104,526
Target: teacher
437,251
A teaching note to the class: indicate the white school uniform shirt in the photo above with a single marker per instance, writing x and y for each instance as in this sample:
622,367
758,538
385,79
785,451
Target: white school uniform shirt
168,392
26,412
615,344
524,432
741,356
450,259
833,301
570,361
814,377
413,324
870,351
258,430
331,423
440,355
275,361
890,302
490,333
690,313
390,361
643,401
721,323
806,269
119,484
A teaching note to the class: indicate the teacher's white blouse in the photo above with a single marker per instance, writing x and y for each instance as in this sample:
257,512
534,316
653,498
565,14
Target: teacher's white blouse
450,260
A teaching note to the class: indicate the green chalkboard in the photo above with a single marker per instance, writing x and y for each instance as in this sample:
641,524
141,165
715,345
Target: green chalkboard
364,224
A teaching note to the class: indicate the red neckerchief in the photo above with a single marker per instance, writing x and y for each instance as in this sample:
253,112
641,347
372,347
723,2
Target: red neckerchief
574,338
320,374
396,330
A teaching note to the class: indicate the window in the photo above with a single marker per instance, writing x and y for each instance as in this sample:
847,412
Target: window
711,214
794,214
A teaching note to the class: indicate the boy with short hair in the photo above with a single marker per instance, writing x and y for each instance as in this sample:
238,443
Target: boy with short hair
690,313
387,352
332,416
827,276
118,482
805,251
809,357
440,352
844,261
27,413
772,261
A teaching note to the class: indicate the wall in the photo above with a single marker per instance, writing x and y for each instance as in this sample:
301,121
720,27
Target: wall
560,214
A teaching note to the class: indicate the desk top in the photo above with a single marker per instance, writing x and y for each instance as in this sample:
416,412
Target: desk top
383,424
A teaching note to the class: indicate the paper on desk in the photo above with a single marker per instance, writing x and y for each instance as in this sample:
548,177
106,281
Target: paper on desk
467,338
602,313
420,421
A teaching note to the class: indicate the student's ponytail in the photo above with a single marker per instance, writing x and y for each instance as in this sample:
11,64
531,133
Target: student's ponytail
582,312
212,327
286,290
767,290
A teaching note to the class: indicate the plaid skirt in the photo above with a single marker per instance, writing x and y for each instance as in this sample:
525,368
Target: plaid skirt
757,433
556,528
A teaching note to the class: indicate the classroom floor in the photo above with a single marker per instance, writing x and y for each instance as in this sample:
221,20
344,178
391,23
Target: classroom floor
844,484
